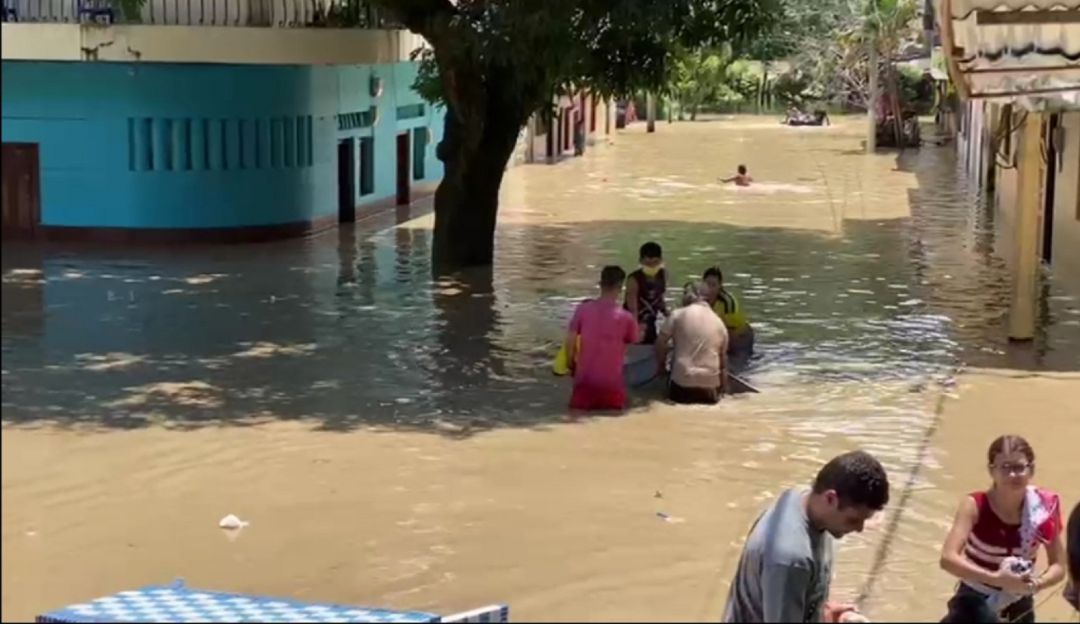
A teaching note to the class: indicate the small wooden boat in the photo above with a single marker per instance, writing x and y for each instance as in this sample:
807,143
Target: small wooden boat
818,118
640,369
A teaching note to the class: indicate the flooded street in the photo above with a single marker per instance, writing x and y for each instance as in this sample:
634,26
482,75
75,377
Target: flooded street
400,441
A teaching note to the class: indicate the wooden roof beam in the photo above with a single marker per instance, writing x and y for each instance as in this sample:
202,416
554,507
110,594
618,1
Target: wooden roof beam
1021,70
1027,18
996,94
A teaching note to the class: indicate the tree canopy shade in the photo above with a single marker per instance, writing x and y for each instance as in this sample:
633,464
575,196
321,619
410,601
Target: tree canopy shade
493,63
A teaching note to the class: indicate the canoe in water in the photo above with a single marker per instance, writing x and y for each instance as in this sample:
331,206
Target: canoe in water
639,369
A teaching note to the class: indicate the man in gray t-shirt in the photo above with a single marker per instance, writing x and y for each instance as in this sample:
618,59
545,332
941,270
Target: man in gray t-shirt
786,565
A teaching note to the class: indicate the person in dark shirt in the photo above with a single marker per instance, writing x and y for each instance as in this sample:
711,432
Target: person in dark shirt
645,289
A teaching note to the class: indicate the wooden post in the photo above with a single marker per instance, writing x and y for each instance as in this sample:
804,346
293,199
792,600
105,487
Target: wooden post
872,100
650,112
1026,237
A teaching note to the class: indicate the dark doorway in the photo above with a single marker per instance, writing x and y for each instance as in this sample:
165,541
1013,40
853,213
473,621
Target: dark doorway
21,189
404,157
367,166
346,167
1051,181
419,152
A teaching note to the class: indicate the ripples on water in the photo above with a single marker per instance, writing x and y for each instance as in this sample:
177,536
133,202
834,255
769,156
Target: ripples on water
870,282
884,276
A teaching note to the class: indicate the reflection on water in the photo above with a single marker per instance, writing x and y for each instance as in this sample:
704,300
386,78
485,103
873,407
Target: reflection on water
871,282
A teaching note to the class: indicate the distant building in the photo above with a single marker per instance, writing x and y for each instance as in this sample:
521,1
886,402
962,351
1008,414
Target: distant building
207,119
549,137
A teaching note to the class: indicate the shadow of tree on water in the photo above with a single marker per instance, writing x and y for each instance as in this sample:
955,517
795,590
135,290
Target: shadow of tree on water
349,331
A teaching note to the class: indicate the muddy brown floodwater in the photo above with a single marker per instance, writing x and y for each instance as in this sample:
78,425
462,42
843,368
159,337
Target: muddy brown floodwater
399,441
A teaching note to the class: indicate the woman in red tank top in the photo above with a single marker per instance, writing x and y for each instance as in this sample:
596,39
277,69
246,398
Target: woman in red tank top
995,538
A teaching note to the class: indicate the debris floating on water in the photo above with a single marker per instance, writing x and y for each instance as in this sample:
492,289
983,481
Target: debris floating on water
232,523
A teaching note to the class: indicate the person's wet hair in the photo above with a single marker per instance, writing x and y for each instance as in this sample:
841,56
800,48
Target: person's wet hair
1010,444
612,277
742,169
651,250
713,271
693,292
857,478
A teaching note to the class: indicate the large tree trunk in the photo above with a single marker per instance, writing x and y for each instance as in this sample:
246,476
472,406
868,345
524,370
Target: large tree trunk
650,112
486,108
475,148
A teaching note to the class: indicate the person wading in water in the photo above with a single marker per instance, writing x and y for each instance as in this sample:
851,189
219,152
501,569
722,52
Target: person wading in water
645,291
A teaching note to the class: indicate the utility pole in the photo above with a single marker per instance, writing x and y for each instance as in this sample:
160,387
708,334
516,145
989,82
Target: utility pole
1026,237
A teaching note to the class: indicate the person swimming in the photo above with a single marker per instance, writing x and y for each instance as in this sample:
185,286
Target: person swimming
741,178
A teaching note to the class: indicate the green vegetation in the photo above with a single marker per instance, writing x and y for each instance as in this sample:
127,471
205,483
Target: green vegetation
130,10
815,55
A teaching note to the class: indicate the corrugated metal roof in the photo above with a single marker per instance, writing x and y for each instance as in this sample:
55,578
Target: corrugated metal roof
1025,51
962,8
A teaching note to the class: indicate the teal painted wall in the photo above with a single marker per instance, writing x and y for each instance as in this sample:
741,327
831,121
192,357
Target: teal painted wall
188,146
354,95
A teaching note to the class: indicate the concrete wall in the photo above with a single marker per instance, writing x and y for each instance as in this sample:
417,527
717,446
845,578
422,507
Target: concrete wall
204,44
1065,261
1065,257
195,146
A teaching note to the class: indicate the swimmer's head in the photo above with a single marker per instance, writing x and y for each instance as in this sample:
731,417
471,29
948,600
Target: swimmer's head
742,169
847,492
612,278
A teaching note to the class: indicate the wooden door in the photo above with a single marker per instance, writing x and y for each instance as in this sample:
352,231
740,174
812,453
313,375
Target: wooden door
21,189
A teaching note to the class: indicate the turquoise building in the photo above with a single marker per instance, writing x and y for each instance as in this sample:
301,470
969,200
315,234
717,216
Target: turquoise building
170,131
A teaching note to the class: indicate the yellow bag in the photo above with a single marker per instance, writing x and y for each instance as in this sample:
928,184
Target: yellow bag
561,365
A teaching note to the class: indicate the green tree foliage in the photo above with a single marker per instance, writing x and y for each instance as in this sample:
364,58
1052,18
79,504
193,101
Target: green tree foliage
828,42
699,77
493,63
130,10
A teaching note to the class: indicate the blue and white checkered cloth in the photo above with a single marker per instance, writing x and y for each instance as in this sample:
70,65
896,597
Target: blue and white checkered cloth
179,604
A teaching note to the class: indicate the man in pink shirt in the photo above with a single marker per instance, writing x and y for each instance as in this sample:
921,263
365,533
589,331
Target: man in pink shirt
605,329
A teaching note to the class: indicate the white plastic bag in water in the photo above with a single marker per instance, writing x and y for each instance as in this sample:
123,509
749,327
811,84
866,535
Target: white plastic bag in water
232,523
